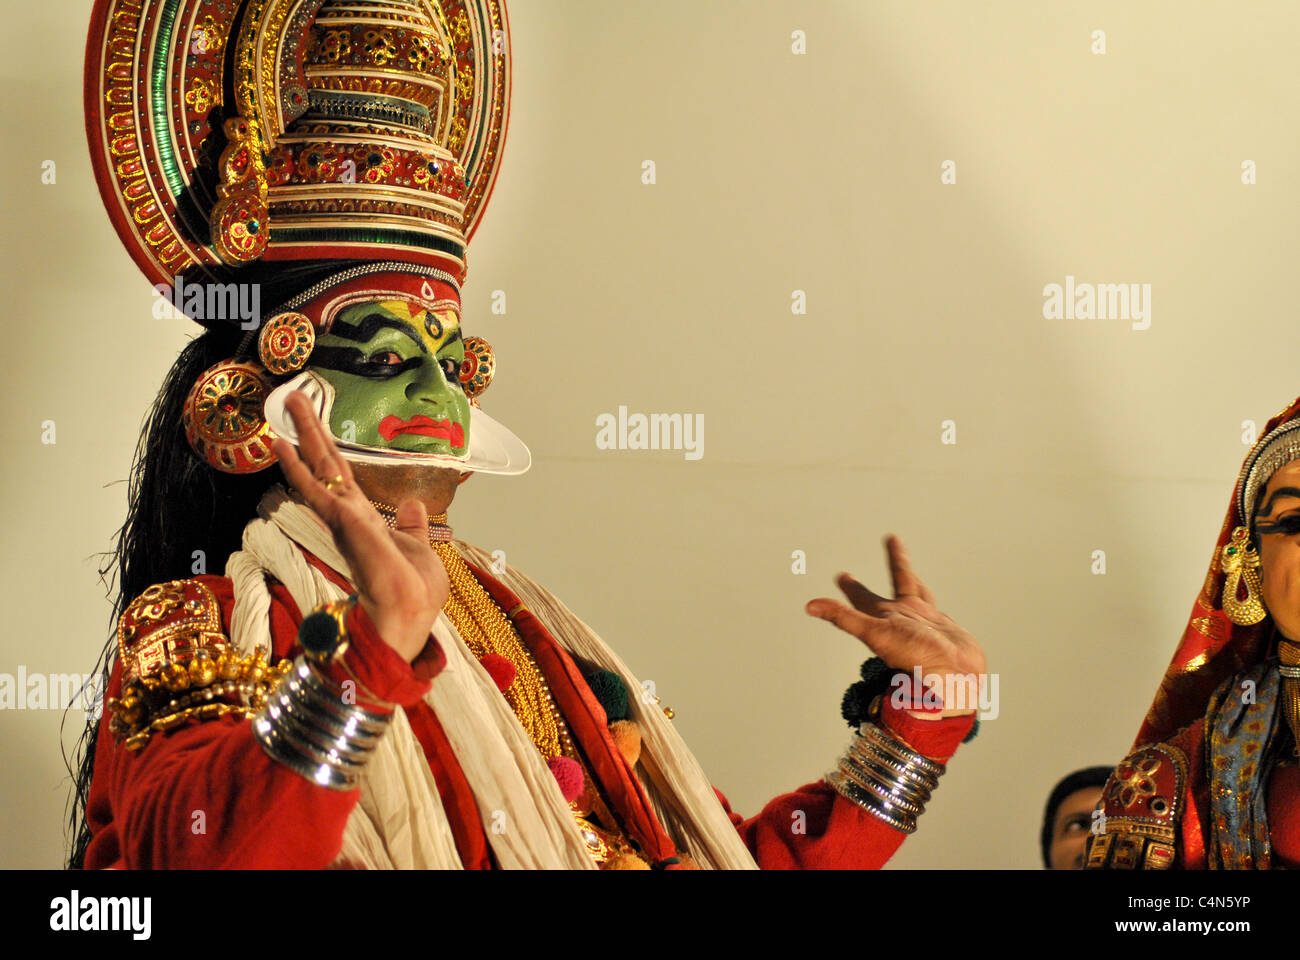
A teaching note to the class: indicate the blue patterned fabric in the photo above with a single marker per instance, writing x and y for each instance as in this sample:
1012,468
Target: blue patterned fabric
1242,719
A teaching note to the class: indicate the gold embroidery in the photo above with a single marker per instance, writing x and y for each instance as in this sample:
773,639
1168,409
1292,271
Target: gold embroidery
1141,808
177,665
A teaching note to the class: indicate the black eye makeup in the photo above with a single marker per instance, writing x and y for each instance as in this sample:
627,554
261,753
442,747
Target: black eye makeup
380,344
378,363
1285,525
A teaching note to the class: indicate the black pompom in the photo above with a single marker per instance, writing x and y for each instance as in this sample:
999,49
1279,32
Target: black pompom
319,634
875,682
856,704
876,674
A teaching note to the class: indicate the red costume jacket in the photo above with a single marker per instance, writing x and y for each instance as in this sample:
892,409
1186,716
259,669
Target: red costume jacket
208,796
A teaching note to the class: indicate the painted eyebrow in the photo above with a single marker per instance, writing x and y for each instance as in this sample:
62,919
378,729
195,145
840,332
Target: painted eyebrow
454,338
365,330
1267,508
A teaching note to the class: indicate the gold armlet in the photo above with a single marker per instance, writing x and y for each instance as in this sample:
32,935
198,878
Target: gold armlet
206,689
1135,827
178,667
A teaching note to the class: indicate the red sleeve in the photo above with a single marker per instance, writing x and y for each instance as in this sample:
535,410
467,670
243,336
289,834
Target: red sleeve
1196,825
815,828
207,795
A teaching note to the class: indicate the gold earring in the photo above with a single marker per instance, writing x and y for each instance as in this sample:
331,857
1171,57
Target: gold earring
285,343
224,420
1240,562
478,367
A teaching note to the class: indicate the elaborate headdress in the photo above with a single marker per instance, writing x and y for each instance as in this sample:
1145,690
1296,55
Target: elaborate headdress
1192,791
1226,632
314,148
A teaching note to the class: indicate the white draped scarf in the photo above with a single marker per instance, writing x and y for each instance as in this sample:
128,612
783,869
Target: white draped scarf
399,821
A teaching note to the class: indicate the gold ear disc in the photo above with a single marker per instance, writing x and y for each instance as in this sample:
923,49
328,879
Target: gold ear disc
1240,562
285,343
224,419
478,368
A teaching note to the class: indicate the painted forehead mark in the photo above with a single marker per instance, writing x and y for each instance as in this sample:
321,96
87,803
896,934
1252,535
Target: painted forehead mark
438,322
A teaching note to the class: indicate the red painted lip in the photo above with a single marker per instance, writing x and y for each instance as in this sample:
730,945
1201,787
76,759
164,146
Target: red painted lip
448,430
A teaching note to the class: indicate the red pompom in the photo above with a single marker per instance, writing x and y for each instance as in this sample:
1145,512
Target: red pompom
568,774
500,669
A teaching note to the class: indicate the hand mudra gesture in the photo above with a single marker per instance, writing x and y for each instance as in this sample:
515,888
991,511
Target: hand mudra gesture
908,631
400,582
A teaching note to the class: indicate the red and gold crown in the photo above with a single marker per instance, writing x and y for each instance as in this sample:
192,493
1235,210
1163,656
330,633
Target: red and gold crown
225,132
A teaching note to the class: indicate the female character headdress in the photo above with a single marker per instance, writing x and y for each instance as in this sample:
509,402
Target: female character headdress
1193,791
299,144
1217,643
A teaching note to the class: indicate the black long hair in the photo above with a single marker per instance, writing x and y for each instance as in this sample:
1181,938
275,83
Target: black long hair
177,504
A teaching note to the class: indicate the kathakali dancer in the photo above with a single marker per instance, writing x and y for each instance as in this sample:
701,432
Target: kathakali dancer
359,688
1212,781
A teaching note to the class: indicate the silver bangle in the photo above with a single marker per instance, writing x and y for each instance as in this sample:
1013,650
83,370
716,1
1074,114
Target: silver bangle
886,777
868,754
851,792
887,742
885,783
308,726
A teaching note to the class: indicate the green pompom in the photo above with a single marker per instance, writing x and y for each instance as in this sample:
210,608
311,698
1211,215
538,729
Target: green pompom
611,691
319,635
974,731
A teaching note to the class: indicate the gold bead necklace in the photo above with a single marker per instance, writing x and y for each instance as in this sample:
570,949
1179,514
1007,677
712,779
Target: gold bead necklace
487,630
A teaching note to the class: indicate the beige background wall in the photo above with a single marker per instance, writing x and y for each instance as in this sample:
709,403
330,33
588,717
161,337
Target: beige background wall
776,173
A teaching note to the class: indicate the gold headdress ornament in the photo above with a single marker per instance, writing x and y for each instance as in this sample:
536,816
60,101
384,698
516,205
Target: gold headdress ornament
1242,590
227,133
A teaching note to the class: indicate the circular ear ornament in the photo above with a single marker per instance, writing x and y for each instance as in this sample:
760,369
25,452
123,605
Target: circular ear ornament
1241,587
478,367
285,343
223,418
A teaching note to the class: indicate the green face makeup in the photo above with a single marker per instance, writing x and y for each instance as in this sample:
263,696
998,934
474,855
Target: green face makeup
395,369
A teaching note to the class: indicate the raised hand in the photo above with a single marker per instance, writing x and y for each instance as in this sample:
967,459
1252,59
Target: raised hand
400,582
908,631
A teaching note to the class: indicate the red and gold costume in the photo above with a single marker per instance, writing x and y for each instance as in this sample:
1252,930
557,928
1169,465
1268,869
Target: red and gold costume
258,813
236,143
1212,781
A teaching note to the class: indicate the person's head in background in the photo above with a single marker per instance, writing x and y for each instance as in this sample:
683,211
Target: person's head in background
1067,820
